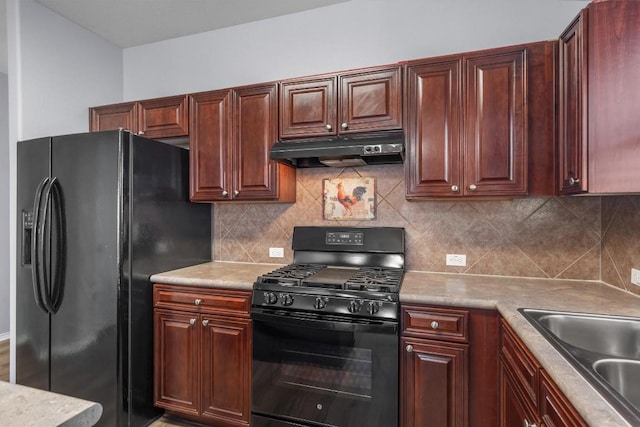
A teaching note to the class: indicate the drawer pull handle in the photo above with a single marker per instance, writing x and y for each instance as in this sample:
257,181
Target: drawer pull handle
574,181
198,301
192,321
205,322
409,348
528,424
435,325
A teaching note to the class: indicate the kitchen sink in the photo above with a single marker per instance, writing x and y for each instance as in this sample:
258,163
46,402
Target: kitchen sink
617,337
604,349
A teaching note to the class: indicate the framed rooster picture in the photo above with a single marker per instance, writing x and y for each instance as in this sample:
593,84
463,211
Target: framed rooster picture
349,199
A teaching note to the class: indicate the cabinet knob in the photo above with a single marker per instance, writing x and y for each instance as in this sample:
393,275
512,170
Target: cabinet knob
205,322
192,321
434,325
344,126
329,127
236,192
574,181
198,301
455,188
225,193
473,187
409,348
140,132
528,424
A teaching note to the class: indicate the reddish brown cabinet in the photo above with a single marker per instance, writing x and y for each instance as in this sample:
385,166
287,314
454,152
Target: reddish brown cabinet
528,396
114,116
166,117
202,354
598,131
355,101
448,368
232,131
468,123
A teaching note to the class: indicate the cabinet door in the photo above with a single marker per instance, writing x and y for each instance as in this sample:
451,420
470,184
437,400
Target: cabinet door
433,165
555,410
573,135
112,117
210,146
496,116
226,369
176,361
435,383
514,410
164,117
370,100
255,131
308,107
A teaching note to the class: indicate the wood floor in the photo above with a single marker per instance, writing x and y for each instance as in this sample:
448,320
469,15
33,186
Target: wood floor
4,360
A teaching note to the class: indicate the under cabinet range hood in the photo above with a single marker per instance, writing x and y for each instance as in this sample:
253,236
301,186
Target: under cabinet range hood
340,151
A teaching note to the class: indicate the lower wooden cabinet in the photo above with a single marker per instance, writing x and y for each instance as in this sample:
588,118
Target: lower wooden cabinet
202,354
528,396
448,367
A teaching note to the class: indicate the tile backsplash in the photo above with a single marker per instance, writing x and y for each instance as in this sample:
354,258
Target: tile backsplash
587,238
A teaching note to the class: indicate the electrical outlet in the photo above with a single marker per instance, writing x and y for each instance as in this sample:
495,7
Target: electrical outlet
635,276
276,252
457,260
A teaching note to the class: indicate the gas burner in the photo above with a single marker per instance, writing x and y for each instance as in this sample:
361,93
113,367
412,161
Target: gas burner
376,279
292,274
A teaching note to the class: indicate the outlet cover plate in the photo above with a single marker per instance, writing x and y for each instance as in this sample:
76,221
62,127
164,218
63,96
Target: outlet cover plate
635,276
276,252
456,260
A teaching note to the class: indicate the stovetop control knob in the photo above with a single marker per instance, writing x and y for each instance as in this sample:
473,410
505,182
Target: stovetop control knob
374,307
270,298
354,306
320,303
287,299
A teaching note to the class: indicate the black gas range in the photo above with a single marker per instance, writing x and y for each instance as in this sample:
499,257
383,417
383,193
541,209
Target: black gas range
337,270
326,331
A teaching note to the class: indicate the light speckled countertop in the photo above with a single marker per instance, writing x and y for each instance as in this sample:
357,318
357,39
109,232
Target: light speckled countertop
506,294
25,406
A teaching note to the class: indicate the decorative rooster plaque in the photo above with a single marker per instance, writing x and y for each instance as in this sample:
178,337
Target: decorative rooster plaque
349,199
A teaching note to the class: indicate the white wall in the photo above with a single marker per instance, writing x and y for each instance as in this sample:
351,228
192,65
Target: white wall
349,35
57,69
4,205
64,69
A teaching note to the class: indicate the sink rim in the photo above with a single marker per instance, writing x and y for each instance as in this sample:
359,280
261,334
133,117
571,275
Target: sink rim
584,360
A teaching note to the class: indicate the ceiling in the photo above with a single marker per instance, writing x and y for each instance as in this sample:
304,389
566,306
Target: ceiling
128,23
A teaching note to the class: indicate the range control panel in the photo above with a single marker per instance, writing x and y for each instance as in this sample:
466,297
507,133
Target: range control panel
353,238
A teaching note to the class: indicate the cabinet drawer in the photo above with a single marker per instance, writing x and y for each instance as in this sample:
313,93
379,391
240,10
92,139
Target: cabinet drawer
435,323
202,300
520,363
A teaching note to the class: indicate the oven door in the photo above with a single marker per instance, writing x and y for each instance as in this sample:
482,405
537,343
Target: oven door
310,369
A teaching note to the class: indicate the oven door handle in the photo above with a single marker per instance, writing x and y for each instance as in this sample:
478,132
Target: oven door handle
317,321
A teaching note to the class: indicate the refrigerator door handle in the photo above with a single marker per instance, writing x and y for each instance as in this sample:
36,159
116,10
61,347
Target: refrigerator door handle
57,286
46,289
36,241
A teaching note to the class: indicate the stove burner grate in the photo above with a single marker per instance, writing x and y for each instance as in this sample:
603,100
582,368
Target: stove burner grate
376,279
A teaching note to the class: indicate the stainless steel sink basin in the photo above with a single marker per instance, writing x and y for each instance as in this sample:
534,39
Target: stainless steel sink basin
618,337
604,349
623,375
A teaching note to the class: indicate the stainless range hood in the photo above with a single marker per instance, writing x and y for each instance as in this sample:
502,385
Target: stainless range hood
339,151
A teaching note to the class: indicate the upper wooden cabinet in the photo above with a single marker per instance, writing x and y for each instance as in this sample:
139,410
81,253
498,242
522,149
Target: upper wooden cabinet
232,131
599,134
356,101
114,116
472,123
154,118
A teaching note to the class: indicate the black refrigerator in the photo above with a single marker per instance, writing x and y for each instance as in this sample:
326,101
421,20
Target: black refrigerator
98,214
